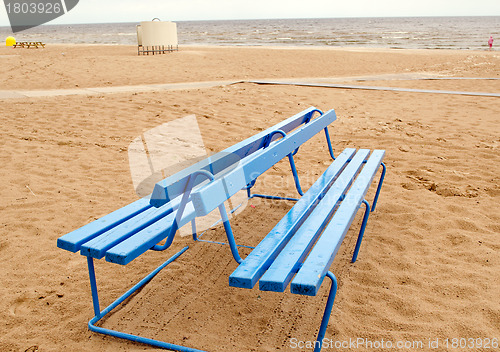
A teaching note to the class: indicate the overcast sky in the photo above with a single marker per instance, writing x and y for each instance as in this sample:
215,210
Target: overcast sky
98,11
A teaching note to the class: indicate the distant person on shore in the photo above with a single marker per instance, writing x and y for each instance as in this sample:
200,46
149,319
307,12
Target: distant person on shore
490,42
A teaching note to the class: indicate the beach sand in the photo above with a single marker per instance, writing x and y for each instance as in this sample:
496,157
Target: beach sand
428,267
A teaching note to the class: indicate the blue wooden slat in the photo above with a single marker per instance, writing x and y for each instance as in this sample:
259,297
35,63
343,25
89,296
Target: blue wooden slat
211,195
126,251
313,271
73,241
257,262
288,261
97,247
175,185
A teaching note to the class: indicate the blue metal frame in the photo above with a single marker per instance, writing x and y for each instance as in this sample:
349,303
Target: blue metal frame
99,315
290,159
367,213
229,233
182,206
186,186
361,231
328,311
382,177
330,149
180,210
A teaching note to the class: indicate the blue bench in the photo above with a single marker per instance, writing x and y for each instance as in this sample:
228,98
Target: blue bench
301,247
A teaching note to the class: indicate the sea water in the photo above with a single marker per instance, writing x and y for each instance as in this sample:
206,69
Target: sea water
395,32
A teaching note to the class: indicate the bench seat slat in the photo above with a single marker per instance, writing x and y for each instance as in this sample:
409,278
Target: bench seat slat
259,260
129,249
313,271
288,261
174,185
218,191
73,240
97,247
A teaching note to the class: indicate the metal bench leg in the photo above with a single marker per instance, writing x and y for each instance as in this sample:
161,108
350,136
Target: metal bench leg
266,143
295,175
100,315
249,188
193,230
229,233
361,231
326,314
379,186
329,143
93,287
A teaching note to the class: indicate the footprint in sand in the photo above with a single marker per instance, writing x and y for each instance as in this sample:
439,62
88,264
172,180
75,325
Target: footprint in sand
20,306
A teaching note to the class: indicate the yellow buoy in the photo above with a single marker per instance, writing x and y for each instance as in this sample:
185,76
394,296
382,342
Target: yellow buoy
10,41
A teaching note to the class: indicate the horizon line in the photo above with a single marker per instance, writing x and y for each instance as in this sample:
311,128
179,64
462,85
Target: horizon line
269,19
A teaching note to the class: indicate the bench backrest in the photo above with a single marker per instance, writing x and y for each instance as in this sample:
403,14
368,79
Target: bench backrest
211,195
175,185
171,188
